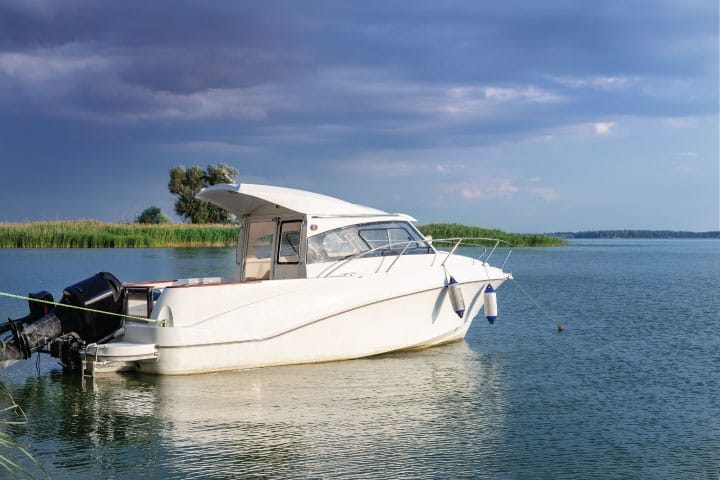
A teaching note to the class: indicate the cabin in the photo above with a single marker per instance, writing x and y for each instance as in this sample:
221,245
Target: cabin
287,233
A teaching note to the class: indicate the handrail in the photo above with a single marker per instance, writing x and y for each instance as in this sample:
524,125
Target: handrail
390,246
458,242
466,242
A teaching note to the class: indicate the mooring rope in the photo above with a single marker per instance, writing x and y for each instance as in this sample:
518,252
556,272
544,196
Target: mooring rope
560,328
86,309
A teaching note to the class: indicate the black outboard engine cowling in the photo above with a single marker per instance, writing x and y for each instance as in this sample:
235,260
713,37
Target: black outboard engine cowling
89,311
100,293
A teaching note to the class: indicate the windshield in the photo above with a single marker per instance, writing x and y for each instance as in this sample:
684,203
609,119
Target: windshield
345,242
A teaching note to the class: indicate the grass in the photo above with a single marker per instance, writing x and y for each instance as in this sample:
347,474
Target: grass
12,414
454,230
94,234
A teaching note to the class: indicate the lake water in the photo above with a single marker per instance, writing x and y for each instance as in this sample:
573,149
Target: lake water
630,389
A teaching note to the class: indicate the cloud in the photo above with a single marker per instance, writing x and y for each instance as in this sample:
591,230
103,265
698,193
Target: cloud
486,189
530,93
611,83
41,69
604,128
375,167
76,81
501,189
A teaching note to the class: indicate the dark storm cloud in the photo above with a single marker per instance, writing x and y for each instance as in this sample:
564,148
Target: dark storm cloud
127,60
296,87
176,47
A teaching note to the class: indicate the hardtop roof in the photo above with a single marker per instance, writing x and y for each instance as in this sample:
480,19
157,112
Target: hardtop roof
252,199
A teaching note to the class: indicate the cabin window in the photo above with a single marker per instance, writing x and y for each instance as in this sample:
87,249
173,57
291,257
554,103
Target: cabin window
381,237
289,245
384,238
259,250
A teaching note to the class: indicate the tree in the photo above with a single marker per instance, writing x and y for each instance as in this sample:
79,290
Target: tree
152,214
186,183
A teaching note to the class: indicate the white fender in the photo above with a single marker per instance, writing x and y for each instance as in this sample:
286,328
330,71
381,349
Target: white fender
456,297
490,300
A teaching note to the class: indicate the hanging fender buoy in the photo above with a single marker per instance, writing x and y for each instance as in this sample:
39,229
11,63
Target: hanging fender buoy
456,298
490,300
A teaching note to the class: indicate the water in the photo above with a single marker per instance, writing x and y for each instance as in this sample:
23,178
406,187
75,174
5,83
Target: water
630,389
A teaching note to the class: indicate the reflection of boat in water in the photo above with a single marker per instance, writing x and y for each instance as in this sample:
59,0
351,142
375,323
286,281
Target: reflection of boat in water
385,416
317,279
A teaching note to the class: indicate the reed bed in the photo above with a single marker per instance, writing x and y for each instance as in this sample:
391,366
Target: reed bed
454,230
94,234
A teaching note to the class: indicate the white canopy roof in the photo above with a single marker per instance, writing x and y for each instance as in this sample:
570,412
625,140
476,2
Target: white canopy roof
251,199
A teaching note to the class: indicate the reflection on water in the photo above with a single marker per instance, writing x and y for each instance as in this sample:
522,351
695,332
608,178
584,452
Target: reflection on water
364,418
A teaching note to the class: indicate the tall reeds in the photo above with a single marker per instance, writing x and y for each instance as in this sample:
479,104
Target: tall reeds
93,234
454,230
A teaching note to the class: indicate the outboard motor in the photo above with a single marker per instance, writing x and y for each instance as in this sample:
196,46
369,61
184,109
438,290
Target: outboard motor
89,311
96,297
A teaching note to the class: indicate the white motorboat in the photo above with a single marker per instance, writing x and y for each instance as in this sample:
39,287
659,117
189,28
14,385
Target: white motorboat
317,279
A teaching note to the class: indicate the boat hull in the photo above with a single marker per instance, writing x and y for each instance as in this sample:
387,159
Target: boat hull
339,331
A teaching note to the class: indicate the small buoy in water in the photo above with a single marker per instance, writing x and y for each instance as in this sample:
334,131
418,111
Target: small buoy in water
560,328
456,298
490,300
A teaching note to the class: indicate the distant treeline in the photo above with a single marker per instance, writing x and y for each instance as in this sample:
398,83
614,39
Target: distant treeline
636,234
93,234
454,230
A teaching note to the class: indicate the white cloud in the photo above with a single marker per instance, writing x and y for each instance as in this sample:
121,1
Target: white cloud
604,128
529,94
50,68
378,167
486,189
384,90
608,83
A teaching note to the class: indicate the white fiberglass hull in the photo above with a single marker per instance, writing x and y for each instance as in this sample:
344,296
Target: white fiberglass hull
298,321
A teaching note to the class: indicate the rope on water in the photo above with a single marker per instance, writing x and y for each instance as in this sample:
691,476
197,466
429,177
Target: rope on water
560,328
57,304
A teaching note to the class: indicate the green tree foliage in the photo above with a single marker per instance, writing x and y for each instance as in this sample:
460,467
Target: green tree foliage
186,183
152,215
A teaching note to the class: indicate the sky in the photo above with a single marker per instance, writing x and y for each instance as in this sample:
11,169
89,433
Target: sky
559,115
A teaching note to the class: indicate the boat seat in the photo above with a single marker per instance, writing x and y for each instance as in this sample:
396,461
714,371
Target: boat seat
257,270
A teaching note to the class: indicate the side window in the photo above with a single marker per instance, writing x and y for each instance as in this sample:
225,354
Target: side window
345,242
374,238
289,245
338,245
399,237
394,236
